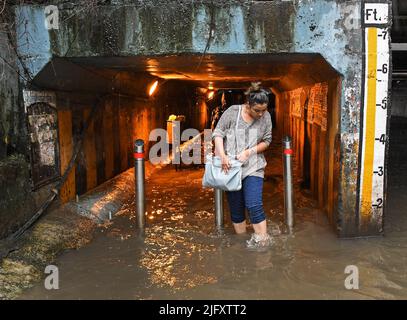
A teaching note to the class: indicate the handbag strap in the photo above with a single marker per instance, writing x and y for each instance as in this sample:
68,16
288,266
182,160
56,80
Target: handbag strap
237,122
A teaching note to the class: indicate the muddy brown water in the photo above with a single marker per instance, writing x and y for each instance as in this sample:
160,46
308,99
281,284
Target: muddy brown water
182,256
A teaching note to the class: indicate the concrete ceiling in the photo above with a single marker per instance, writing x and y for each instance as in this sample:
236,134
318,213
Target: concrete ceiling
100,74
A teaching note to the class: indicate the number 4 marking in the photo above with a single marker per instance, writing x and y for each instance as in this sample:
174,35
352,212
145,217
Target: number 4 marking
382,139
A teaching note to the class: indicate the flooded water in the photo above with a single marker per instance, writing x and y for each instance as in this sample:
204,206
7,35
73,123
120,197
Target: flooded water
182,256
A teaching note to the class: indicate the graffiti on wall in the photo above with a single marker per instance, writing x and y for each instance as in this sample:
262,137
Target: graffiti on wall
42,122
316,102
295,100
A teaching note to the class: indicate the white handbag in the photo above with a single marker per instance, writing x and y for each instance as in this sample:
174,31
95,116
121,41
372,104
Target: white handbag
215,177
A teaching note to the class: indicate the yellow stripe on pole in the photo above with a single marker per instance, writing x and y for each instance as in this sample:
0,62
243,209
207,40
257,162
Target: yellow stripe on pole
370,124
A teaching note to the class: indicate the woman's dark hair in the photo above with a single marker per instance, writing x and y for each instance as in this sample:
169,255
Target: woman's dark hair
256,94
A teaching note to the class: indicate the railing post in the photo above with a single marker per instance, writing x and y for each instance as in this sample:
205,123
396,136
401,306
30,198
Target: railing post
218,208
139,171
288,183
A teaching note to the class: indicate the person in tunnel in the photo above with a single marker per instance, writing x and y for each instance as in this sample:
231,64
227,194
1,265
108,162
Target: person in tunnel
217,112
247,143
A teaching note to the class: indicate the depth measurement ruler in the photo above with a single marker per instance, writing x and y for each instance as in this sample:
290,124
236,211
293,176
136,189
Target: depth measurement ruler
374,131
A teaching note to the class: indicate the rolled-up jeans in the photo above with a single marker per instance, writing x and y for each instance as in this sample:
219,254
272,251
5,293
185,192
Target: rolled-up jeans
250,197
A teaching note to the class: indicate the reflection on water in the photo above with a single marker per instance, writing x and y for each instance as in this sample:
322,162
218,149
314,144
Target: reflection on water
182,256
174,257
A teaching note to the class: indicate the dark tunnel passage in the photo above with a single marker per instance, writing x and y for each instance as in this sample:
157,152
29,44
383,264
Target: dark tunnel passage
112,92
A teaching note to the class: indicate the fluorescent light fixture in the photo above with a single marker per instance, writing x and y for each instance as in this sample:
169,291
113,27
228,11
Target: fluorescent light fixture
153,88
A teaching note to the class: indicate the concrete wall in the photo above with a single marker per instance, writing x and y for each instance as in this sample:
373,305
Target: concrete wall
17,202
330,27
11,118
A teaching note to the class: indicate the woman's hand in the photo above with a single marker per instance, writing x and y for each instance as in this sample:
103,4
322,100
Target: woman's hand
242,157
225,163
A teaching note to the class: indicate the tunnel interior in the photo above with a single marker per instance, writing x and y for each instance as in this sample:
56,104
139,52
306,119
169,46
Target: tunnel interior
113,93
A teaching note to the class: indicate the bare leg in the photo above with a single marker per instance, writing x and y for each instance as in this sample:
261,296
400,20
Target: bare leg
260,228
240,227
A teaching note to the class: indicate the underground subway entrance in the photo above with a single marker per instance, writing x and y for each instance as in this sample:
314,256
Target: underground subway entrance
113,93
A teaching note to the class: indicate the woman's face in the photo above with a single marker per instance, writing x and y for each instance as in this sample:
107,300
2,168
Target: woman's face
257,110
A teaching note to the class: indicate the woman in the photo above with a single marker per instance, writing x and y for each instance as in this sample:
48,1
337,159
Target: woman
247,143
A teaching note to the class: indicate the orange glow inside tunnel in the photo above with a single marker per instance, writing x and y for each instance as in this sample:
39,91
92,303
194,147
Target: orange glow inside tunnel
153,88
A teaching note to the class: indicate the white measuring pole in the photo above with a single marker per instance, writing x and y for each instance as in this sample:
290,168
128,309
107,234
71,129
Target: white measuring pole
375,113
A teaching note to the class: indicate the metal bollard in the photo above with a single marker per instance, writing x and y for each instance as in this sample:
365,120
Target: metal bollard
218,208
139,172
288,183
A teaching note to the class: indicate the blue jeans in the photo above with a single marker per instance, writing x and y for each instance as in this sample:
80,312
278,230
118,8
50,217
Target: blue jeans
250,197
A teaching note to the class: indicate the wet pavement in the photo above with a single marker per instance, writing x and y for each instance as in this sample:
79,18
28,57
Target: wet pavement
181,255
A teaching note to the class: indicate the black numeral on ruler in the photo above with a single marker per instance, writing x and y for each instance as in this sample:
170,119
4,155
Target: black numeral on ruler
384,69
383,105
383,34
378,204
379,171
382,139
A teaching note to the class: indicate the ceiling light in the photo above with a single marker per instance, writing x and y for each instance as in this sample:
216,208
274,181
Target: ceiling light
153,88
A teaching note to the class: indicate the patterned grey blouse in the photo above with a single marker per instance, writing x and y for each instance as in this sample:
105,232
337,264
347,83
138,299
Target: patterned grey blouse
248,135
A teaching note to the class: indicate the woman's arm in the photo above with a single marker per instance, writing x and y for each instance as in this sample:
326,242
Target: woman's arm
219,148
220,151
261,146
218,136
